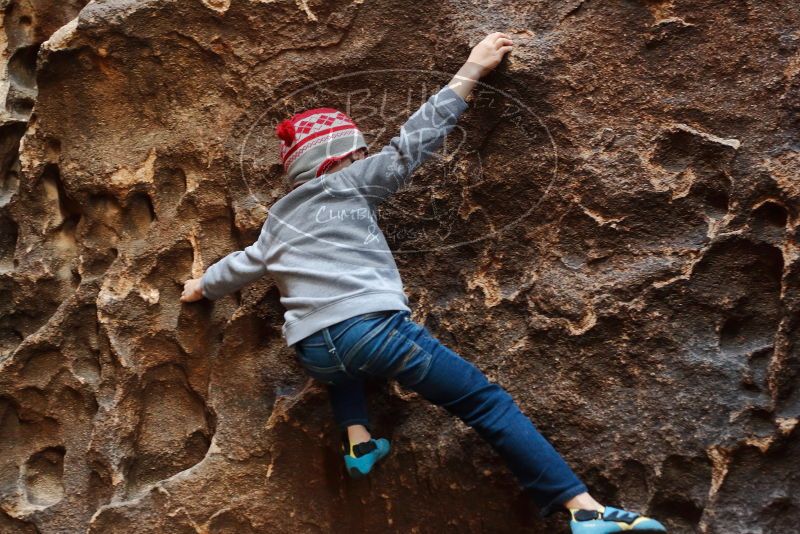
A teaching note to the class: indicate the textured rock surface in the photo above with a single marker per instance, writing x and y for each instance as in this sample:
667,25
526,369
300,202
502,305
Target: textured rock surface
633,164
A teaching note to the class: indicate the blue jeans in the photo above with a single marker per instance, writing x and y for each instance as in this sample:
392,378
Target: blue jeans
390,345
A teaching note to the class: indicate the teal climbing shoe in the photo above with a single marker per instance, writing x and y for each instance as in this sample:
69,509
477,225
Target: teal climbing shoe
360,460
612,520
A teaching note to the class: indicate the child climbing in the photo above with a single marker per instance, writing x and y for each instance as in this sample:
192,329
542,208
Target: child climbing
347,316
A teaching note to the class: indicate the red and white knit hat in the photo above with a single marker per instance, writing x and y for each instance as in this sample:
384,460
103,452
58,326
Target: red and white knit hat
314,140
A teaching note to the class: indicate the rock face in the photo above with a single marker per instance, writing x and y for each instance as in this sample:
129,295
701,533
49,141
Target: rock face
612,235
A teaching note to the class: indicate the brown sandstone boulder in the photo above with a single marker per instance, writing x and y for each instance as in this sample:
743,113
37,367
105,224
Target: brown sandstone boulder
612,235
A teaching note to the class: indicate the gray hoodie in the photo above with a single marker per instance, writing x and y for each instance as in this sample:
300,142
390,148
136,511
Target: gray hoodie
321,242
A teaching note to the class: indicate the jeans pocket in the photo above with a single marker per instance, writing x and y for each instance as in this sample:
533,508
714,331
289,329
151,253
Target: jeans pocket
398,357
320,364
360,333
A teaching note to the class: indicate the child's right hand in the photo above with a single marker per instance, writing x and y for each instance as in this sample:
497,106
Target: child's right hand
192,290
487,54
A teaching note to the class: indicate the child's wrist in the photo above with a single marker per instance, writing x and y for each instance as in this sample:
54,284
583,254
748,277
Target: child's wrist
471,71
465,79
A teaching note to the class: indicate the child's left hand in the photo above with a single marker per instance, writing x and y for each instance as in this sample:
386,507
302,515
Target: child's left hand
192,290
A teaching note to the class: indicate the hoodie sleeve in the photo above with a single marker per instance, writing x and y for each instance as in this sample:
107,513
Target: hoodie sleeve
381,175
236,269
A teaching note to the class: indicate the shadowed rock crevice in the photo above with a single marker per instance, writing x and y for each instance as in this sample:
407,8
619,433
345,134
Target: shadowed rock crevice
8,242
773,503
44,472
15,526
173,418
682,490
22,77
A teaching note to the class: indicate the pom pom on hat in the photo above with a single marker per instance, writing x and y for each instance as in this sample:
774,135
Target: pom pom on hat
285,130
